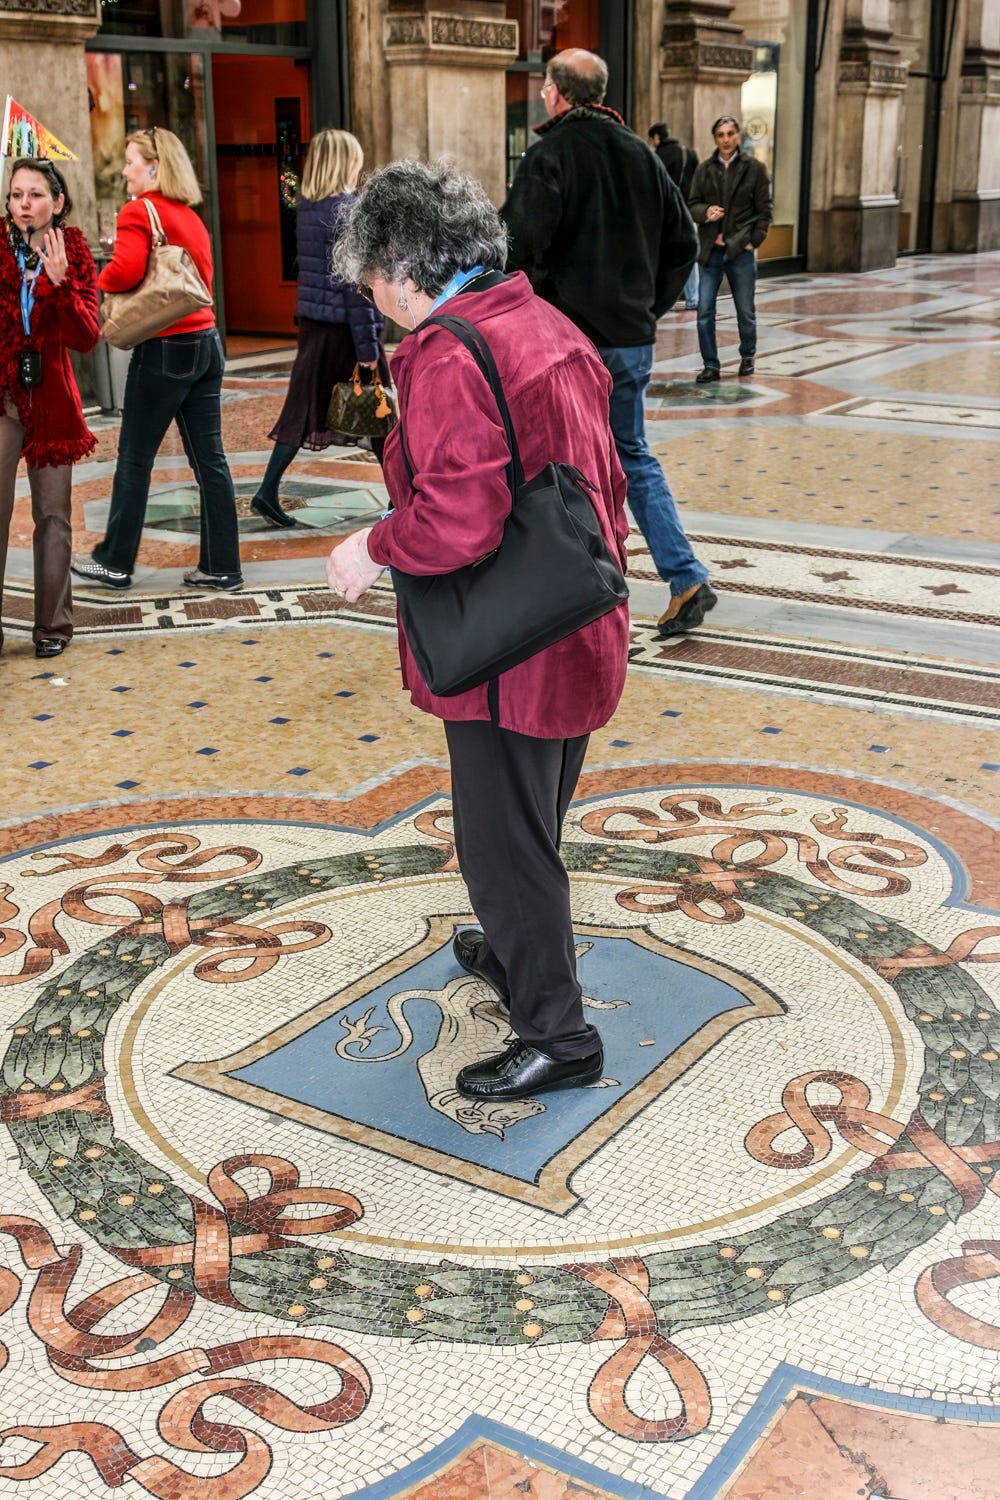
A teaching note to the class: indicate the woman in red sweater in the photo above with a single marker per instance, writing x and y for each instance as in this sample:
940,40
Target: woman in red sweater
48,305
176,375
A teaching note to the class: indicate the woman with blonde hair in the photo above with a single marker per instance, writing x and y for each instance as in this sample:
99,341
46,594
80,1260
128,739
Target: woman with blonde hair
174,376
338,328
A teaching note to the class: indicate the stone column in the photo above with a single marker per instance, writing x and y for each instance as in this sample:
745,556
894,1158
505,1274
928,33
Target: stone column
971,220
854,218
42,46
447,92
704,63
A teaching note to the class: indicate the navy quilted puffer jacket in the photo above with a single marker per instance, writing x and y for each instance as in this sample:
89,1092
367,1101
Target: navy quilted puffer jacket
321,295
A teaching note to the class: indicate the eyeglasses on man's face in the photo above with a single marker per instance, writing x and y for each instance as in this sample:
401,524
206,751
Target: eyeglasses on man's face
548,84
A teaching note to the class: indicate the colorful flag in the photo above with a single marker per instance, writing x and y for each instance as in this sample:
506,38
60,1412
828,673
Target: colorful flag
23,135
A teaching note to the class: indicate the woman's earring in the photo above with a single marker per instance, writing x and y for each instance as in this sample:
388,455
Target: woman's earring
402,304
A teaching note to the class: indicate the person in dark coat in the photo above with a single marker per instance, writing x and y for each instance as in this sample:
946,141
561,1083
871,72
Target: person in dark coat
422,237
681,162
48,306
731,204
605,236
338,328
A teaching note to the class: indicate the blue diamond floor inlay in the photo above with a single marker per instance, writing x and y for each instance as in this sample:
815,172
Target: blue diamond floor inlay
368,739
197,703
263,679
126,786
120,734
39,765
41,718
121,689
279,720
344,693
298,771
770,729
207,750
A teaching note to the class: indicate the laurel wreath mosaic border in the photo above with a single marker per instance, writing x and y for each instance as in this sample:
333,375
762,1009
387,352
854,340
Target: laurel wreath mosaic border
71,1150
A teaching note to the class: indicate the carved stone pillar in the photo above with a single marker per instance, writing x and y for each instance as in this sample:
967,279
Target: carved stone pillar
854,223
42,46
972,219
704,63
447,92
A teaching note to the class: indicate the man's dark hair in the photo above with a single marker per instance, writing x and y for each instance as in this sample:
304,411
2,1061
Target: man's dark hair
582,82
662,130
727,120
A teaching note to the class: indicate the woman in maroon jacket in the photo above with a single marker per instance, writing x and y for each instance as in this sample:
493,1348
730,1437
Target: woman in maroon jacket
421,237
174,376
48,305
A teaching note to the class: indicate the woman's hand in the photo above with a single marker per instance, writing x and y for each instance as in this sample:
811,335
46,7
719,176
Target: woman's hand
350,572
54,262
713,212
368,364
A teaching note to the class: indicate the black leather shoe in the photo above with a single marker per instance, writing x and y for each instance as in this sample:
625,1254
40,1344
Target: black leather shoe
690,614
708,374
746,366
54,646
272,512
468,949
521,1072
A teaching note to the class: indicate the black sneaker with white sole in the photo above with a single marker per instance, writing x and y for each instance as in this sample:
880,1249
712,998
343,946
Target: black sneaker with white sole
222,583
95,572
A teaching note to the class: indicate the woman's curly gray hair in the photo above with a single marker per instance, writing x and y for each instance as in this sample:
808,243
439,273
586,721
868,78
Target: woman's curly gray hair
424,222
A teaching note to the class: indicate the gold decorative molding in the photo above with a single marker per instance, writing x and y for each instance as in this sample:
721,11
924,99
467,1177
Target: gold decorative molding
434,30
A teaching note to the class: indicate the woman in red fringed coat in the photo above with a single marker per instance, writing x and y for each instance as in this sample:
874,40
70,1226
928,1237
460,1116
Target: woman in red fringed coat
48,305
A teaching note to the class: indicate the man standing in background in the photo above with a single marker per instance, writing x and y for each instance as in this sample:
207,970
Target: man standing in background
604,235
731,204
680,161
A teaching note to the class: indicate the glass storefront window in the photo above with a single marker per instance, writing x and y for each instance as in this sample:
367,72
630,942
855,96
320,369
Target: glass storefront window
272,23
130,91
771,108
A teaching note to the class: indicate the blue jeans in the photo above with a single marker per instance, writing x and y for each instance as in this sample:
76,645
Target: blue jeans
649,495
691,286
180,378
742,276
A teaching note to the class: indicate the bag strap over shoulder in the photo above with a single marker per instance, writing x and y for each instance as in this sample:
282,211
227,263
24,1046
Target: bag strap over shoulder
469,335
155,225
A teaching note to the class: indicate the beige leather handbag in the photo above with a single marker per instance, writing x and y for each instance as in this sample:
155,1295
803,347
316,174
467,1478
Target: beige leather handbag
171,288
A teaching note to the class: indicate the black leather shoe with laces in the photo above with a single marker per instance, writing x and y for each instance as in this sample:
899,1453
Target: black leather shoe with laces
707,375
521,1072
746,366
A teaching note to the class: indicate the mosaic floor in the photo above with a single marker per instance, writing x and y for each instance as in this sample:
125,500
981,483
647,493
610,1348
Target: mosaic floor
258,1246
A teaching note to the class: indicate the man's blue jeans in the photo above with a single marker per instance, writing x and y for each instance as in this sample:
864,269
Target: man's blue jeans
741,274
649,495
174,378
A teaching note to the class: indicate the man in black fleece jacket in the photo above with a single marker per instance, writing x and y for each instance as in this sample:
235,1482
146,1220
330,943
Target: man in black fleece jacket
605,236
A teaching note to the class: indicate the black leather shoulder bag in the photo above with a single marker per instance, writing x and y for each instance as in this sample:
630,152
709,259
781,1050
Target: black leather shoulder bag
551,575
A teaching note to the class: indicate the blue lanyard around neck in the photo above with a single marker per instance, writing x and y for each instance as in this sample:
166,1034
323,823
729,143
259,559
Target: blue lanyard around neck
460,279
27,290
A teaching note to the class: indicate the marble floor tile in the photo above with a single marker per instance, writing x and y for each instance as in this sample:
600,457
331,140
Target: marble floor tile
252,1242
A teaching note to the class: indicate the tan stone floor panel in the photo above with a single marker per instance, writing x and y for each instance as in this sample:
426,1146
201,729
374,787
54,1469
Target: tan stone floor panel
934,486
325,733
965,375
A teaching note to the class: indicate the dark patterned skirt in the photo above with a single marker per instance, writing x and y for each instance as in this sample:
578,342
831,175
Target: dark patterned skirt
325,354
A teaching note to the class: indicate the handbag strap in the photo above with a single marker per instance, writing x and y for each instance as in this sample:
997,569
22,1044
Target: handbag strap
155,226
469,335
